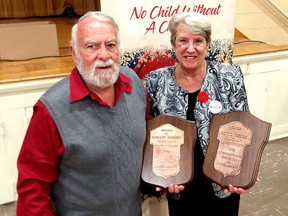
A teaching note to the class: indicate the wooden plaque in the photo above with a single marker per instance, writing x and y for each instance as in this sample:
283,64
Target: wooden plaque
169,151
236,143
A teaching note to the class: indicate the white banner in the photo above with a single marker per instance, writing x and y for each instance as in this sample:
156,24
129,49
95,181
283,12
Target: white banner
144,35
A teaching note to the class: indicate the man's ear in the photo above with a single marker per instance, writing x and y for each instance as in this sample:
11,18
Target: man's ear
72,53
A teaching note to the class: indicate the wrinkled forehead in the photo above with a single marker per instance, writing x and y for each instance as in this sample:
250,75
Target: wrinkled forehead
95,25
96,30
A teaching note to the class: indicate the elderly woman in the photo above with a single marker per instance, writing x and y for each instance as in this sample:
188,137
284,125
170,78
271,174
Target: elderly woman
191,90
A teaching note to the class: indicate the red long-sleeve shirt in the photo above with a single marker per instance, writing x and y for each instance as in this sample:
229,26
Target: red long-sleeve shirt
42,147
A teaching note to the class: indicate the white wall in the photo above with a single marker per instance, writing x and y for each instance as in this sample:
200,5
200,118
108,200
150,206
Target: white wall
266,78
17,100
258,20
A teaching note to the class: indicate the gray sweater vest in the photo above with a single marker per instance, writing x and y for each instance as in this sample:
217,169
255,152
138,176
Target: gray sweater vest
99,174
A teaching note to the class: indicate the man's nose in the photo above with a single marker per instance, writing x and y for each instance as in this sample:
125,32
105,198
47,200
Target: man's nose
103,52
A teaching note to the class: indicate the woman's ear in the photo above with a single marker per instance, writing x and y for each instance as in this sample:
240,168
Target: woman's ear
173,45
208,43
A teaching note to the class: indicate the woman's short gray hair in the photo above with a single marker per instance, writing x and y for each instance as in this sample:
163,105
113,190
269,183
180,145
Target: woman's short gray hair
196,23
97,15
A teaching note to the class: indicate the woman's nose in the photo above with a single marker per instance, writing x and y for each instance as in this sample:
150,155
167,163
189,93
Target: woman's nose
191,47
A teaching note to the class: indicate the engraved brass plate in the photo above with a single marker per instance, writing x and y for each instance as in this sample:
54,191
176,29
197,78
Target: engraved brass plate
234,137
166,140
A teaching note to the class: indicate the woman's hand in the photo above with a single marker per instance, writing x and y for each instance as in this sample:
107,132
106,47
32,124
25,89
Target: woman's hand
175,188
233,189
171,189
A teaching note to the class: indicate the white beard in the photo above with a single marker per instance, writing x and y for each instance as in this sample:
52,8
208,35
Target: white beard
101,79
